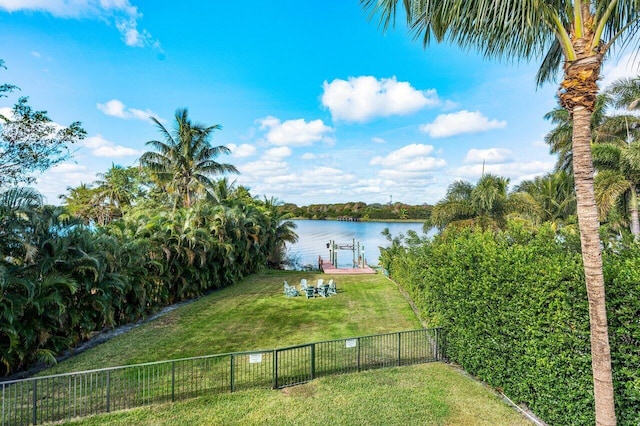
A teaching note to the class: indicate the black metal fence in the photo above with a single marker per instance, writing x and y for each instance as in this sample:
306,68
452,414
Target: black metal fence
58,397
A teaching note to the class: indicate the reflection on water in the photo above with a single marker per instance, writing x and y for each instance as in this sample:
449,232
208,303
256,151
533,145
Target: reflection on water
314,235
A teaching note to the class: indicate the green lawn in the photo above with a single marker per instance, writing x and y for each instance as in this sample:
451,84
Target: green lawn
427,394
254,314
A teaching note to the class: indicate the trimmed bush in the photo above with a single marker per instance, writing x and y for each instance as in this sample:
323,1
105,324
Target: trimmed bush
515,308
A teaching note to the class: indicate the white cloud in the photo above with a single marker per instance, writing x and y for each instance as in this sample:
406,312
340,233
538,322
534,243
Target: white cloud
312,156
446,125
116,108
401,180
408,168
56,180
627,66
309,180
241,151
490,156
363,98
404,155
7,113
278,153
295,132
377,140
516,171
262,168
100,147
120,12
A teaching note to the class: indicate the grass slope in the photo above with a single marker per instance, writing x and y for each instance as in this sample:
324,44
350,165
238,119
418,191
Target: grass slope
428,394
254,314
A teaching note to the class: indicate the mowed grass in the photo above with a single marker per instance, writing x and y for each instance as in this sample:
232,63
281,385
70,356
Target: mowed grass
254,314
427,394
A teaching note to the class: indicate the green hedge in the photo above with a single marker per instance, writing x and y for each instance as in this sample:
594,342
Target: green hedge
515,309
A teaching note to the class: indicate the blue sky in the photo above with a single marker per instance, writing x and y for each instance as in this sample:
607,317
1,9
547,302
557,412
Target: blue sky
316,103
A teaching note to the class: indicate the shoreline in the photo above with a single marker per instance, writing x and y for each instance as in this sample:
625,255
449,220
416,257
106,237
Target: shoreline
335,219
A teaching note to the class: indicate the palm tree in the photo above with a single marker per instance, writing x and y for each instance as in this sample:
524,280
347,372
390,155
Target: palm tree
82,203
626,93
618,179
554,194
576,34
18,211
559,138
116,190
185,160
487,204
280,230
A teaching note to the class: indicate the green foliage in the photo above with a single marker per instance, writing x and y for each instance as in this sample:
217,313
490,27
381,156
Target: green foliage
61,280
360,211
486,204
515,309
184,161
30,141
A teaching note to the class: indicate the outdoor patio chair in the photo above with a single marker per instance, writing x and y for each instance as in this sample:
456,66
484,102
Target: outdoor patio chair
303,283
320,283
289,291
310,292
324,290
332,288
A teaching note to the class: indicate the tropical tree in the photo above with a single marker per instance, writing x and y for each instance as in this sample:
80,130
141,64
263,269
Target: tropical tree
554,194
229,193
30,141
625,93
486,204
82,202
18,210
118,187
559,138
279,229
184,161
618,179
574,34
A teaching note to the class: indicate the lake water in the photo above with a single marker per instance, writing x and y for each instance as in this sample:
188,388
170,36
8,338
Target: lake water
314,235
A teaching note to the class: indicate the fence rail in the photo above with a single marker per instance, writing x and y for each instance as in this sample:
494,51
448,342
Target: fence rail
39,400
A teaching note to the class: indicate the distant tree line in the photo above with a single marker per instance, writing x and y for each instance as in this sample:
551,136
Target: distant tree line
360,211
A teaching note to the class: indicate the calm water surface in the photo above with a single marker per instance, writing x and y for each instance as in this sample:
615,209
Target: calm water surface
315,234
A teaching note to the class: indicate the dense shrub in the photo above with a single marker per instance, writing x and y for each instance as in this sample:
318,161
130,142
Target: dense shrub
515,308
62,281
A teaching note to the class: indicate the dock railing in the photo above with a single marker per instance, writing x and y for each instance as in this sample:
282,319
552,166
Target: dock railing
41,400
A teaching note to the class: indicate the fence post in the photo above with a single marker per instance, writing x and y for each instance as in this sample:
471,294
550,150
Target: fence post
3,399
399,350
275,369
35,402
358,343
232,373
108,391
173,381
313,361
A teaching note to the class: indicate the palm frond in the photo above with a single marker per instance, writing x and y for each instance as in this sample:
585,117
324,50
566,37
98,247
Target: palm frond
609,186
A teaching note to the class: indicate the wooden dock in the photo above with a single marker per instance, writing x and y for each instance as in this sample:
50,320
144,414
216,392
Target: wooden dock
330,268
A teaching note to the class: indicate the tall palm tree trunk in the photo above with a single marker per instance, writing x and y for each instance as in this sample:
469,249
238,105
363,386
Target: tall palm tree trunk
633,212
592,259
